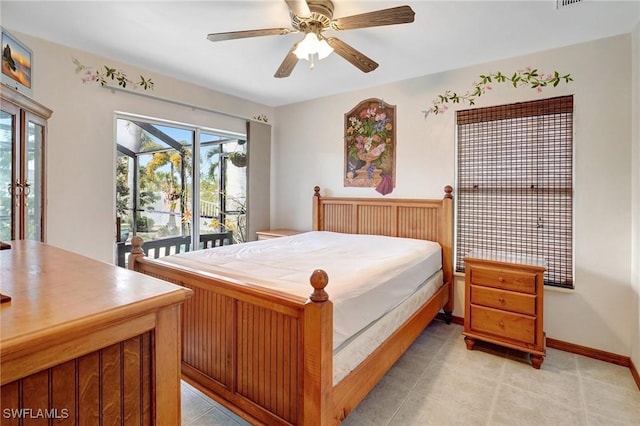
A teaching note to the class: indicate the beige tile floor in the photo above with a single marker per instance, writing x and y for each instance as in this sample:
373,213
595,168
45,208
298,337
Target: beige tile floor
439,382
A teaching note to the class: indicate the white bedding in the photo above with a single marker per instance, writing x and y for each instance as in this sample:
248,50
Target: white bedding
368,274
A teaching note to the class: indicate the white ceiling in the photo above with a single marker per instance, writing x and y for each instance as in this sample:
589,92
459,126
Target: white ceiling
169,37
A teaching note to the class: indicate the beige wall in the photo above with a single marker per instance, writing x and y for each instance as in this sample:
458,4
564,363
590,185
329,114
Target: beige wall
308,151
81,149
635,191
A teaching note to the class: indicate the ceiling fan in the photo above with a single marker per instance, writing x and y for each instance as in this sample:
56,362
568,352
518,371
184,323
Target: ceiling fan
312,17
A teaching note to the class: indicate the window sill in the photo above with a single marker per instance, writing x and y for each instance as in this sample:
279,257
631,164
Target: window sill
554,289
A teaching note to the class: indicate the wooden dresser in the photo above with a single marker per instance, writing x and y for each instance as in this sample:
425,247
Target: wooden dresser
85,342
504,302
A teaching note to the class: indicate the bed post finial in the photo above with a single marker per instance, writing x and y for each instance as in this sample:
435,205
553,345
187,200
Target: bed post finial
136,252
319,280
136,245
447,191
316,211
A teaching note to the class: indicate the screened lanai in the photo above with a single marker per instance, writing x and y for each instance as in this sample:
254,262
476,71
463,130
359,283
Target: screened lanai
178,186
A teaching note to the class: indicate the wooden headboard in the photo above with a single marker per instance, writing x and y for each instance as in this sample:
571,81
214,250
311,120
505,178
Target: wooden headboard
410,218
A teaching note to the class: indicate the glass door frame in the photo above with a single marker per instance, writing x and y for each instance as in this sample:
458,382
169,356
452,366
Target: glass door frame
19,187
12,186
37,187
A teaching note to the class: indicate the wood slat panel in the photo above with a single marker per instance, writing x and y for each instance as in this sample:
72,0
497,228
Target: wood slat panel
294,374
280,360
262,360
418,222
89,389
132,381
338,218
272,378
419,219
97,388
267,358
34,397
206,322
9,398
111,385
376,220
147,386
64,392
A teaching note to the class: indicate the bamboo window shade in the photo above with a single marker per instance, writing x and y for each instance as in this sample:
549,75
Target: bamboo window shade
515,183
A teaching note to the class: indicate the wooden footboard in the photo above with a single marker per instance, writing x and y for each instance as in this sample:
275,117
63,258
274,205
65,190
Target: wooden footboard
268,356
263,354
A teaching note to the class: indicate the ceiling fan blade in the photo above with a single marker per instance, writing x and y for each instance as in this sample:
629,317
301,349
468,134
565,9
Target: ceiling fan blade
359,60
299,7
392,16
289,63
232,35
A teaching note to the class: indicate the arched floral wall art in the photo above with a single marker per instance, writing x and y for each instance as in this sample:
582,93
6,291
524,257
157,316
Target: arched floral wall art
370,145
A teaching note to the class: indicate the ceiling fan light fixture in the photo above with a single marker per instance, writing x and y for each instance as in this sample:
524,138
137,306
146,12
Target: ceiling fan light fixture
312,18
313,44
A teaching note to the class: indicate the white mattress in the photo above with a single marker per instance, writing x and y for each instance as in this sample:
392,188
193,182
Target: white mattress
355,349
369,275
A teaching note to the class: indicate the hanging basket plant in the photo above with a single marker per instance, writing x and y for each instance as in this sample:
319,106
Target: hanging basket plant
238,159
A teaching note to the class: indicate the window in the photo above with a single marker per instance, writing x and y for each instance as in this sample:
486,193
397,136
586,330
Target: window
515,183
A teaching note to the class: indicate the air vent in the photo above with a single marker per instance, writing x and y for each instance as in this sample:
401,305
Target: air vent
564,3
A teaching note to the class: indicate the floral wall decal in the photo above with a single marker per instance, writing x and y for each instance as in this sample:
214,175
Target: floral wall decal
261,117
102,77
370,144
528,77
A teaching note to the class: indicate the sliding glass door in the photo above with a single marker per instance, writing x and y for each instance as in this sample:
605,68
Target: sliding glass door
156,194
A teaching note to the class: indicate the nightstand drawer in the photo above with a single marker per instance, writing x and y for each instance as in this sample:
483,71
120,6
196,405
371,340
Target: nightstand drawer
506,279
504,324
503,299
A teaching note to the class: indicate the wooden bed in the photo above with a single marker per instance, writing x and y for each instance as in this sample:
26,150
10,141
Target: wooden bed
267,355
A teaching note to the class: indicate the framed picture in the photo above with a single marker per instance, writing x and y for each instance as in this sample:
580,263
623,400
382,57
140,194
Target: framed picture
17,60
370,145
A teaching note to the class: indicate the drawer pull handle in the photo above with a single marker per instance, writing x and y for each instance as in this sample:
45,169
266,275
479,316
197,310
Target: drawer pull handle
501,324
501,299
501,279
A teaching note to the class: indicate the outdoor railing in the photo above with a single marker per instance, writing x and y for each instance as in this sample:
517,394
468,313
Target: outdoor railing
209,209
167,246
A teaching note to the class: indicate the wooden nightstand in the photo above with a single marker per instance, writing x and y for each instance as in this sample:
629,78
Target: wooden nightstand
504,302
275,233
